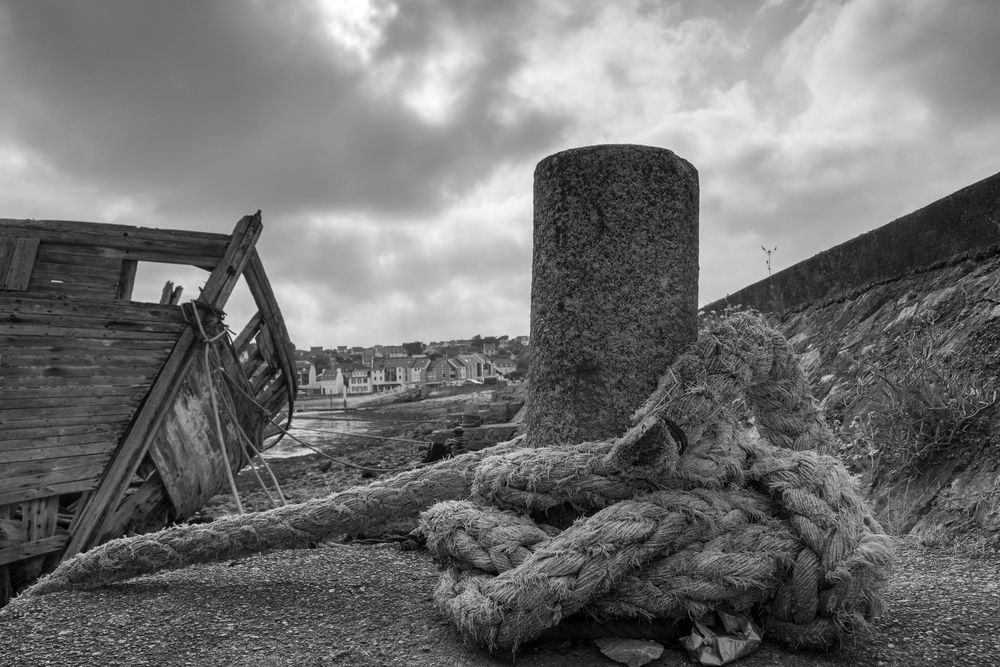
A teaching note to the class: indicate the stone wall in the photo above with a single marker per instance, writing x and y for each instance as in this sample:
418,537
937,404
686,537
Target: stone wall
966,223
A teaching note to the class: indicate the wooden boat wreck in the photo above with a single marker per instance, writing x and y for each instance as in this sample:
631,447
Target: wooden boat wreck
119,416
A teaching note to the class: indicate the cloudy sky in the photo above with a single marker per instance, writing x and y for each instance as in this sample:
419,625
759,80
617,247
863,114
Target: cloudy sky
391,145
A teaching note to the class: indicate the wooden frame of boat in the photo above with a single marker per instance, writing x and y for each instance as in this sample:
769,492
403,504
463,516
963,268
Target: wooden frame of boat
118,416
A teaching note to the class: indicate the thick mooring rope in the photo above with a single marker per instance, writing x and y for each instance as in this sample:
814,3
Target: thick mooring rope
753,520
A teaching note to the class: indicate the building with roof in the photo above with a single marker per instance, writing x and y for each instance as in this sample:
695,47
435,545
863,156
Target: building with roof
503,365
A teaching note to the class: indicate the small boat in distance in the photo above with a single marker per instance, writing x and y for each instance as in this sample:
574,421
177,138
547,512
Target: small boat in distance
119,416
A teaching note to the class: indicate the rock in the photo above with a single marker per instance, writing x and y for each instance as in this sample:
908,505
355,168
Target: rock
631,652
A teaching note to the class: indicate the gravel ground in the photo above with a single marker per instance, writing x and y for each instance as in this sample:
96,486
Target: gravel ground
371,605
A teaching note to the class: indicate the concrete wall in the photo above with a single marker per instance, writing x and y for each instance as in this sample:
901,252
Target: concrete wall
965,223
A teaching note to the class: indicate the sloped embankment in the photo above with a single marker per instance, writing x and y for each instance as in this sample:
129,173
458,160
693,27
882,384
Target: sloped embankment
899,332
914,341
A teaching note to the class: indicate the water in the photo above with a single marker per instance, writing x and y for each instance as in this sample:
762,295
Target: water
323,438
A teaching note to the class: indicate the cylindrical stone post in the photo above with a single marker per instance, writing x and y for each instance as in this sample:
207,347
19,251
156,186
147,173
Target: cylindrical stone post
614,287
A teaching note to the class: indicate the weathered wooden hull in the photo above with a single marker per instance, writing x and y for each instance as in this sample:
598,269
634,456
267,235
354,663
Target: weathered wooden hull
111,410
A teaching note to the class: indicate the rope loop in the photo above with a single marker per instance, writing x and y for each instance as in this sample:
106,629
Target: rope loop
685,513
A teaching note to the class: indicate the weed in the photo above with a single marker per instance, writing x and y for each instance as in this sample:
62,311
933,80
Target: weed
916,409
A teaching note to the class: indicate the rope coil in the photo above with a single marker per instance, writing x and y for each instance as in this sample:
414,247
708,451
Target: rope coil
752,520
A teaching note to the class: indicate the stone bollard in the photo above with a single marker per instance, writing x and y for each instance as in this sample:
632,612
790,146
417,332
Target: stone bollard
614,287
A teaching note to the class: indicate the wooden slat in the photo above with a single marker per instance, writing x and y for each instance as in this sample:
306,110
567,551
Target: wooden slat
94,446
17,259
60,395
84,400
119,332
126,279
250,330
171,296
90,271
47,490
70,253
139,243
57,435
6,586
96,382
130,312
40,521
148,500
19,489
15,469
45,425
18,358
78,371
189,435
39,345
40,547
95,406
239,251
12,531
25,324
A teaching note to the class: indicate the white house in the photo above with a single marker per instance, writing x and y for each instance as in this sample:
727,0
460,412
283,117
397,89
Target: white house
307,376
360,381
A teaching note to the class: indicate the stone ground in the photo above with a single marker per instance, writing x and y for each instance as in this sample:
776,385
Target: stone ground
371,605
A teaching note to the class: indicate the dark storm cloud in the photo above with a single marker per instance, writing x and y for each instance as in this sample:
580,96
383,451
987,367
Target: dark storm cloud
228,104
392,152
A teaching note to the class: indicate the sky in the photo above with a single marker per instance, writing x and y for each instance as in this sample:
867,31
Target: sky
391,145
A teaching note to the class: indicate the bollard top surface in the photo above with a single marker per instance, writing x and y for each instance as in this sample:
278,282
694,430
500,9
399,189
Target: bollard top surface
612,152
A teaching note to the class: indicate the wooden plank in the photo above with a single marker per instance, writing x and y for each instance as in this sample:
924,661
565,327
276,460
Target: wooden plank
240,249
47,490
171,296
58,435
250,330
46,545
95,406
96,382
12,531
17,259
188,435
150,499
86,400
6,586
62,395
40,522
253,364
94,331
17,358
130,311
82,371
17,469
43,425
140,243
200,257
126,280
90,271
95,446
19,489
32,324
